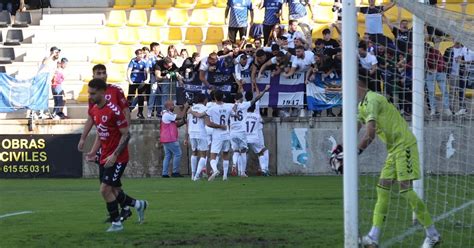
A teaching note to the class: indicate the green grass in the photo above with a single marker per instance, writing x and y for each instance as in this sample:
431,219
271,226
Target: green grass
252,212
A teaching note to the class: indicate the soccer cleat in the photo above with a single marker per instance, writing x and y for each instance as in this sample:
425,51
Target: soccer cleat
431,242
368,242
125,214
141,211
204,173
115,227
214,175
244,175
193,176
234,171
224,178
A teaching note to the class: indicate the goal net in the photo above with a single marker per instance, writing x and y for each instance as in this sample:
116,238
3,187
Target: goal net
448,153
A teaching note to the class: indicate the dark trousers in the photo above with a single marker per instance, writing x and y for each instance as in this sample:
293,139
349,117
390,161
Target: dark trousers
267,29
233,33
58,98
132,90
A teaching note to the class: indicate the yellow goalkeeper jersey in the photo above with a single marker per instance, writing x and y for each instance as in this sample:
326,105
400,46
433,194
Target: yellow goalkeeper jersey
392,129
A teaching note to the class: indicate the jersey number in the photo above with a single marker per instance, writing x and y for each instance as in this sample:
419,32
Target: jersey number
250,126
222,120
239,116
195,120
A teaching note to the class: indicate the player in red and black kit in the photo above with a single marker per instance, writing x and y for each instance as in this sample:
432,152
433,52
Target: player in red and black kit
113,133
115,95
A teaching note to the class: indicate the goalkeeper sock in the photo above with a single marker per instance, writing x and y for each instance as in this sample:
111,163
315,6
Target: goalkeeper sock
418,207
381,207
194,161
431,231
374,233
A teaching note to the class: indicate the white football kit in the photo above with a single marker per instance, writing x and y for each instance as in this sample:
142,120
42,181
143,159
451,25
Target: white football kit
209,129
220,114
253,123
237,127
197,129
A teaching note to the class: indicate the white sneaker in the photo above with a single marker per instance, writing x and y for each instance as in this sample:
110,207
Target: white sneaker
461,112
224,178
431,242
368,242
433,112
448,112
115,227
214,175
192,176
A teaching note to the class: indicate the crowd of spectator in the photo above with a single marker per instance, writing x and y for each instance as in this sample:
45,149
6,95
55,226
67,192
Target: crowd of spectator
156,77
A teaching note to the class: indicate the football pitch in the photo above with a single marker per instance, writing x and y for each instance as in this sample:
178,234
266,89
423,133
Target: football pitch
251,212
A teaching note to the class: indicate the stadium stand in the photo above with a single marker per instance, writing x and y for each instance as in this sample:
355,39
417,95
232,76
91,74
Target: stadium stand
204,4
164,4
193,36
149,34
7,55
117,18
184,4
199,17
128,36
143,4
178,17
137,18
14,37
158,18
216,17
123,4
214,35
22,20
175,36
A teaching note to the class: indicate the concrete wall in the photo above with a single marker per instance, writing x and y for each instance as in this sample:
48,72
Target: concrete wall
294,147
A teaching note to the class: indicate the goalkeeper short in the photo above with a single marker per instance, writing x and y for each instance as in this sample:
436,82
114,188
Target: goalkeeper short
402,164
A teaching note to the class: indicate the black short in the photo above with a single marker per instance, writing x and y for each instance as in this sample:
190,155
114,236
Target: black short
97,156
111,175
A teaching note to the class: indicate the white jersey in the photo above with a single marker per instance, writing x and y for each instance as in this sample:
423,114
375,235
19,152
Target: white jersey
237,119
209,129
253,123
220,114
197,126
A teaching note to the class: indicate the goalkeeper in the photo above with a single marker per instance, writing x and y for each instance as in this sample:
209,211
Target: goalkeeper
402,164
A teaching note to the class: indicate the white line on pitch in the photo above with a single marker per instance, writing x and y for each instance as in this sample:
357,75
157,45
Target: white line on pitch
412,230
16,213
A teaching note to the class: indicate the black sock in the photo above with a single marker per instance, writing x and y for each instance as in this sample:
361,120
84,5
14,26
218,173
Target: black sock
125,200
112,207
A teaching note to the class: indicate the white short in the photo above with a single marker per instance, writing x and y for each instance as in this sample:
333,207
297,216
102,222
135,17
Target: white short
256,147
238,142
219,146
261,138
199,145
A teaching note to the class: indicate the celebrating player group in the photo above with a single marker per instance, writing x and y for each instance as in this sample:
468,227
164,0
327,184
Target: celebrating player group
218,127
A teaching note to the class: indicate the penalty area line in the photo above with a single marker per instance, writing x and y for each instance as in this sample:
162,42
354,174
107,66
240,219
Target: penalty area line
414,229
15,213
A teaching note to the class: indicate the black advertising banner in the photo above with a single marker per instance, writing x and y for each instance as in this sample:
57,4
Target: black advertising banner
40,156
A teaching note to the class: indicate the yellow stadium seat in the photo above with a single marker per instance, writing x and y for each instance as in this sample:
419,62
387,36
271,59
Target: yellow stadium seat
137,18
199,17
128,36
360,17
191,49
174,36
102,55
116,73
445,45
361,30
184,4
317,32
221,3
84,94
214,35
207,49
204,4
109,36
149,35
193,36
392,14
324,14
158,17
469,9
164,4
122,54
117,18
216,17
325,2
454,7
388,32
454,1
123,4
143,4
259,15
178,18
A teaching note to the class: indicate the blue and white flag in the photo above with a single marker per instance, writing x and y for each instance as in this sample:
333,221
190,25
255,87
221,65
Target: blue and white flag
24,94
322,95
284,91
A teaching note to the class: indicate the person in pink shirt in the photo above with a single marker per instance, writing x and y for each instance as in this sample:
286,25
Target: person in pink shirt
58,92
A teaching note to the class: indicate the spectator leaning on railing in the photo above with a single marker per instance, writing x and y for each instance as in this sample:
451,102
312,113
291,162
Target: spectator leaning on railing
58,92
